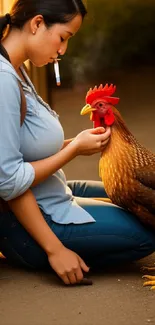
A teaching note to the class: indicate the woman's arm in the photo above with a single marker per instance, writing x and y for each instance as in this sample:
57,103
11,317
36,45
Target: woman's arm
29,215
48,166
16,176
87,142
67,264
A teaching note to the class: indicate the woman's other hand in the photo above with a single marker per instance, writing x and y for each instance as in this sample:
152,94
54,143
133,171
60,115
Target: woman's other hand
68,265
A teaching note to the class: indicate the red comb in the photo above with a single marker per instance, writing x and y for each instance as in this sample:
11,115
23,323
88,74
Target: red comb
102,92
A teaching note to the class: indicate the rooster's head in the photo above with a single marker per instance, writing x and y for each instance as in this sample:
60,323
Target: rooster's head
99,104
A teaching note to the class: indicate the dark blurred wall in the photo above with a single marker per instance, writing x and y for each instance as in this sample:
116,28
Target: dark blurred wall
116,35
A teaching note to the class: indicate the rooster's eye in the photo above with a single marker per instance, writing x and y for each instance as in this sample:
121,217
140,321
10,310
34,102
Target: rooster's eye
100,105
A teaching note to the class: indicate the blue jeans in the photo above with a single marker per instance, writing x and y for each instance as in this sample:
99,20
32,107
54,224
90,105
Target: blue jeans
116,237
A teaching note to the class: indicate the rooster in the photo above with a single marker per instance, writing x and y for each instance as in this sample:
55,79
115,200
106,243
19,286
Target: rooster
126,168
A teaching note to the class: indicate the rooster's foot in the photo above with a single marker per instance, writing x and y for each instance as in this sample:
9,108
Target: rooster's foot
107,200
149,283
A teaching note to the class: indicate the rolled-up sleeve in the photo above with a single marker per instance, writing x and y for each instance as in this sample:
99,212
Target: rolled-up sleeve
16,176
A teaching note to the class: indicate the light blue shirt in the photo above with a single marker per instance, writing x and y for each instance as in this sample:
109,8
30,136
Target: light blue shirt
40,136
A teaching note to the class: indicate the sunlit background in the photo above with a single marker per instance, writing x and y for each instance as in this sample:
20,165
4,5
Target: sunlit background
116,44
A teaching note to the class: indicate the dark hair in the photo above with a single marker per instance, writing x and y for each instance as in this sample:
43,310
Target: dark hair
53,11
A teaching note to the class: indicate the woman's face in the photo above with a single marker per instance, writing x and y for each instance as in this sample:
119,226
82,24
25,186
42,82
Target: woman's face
45,44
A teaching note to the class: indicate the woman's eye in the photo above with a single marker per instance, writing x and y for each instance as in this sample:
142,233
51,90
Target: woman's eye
62,39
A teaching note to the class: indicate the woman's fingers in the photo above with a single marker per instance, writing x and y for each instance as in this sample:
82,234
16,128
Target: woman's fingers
73,277
76,275
104,143
98,130
79,275
105,135
65,279
83,265
100,138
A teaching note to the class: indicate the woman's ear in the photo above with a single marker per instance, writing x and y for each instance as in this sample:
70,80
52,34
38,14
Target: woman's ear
35,23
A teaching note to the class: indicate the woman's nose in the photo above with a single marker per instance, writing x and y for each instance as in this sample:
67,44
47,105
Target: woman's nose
63,48
60,52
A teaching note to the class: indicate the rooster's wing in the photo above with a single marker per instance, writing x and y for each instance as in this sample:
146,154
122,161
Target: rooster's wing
146,189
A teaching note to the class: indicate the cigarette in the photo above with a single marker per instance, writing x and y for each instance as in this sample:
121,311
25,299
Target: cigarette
57,72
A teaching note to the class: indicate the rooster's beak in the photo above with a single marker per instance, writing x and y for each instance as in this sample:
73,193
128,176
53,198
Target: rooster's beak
87,109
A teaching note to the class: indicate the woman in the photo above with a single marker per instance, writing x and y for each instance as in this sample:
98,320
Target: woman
51,222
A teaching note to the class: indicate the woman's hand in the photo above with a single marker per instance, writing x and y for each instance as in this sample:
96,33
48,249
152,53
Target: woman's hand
91,141
68,265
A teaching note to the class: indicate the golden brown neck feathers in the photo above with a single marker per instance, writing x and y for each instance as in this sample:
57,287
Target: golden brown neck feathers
121,128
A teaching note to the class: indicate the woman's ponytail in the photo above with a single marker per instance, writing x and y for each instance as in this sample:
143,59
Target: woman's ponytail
4,22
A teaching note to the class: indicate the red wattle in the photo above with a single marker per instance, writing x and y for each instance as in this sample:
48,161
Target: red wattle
96,124
96,120
109,117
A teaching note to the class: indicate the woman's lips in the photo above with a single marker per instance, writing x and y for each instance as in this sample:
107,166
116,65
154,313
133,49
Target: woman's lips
54,60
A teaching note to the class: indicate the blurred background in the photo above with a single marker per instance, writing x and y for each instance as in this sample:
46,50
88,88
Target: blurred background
116,44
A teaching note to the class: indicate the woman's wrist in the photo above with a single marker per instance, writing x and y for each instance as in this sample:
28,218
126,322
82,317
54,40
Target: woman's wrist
67,142
52,248
75,147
